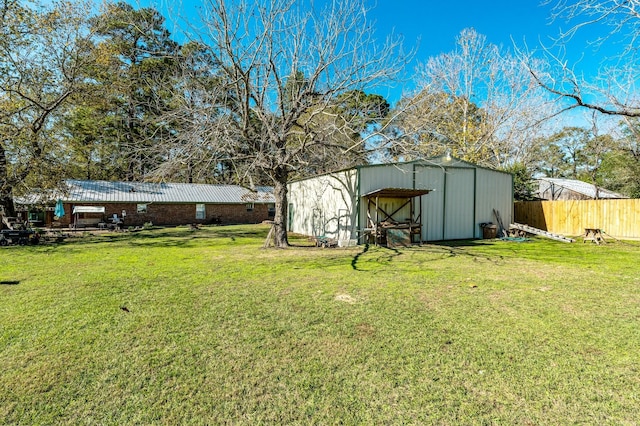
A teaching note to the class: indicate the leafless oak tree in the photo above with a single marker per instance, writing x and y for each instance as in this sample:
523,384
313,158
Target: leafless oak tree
478,102
278,68
617,25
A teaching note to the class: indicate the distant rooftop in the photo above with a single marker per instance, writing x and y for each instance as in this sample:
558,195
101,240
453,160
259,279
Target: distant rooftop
580,187
94,191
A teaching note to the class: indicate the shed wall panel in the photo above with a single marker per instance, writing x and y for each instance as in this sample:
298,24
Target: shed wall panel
383,176
432,203
459,203
442,162
324,205
387,176
494,190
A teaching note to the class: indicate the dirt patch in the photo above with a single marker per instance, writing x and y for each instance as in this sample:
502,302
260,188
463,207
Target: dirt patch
364,329
346,299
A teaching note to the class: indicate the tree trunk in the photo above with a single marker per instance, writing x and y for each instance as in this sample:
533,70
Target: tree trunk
132,152
281,178
6,193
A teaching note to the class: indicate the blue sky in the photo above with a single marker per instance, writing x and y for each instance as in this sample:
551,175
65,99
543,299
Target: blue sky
437,23
433,26
525,23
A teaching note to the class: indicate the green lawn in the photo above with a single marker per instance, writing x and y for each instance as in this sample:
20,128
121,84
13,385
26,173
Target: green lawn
219,330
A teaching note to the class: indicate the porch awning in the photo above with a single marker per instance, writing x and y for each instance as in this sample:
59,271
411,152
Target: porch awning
88,209
397,193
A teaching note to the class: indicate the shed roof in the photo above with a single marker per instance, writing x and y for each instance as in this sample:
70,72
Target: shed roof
441,161
397,193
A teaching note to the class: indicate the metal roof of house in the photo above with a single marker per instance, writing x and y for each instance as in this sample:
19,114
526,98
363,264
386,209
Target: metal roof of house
584,188
92,191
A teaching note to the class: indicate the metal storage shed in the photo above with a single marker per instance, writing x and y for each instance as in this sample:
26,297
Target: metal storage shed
461,197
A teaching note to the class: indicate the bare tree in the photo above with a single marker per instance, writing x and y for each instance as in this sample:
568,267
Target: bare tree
478,102
272,99
616,24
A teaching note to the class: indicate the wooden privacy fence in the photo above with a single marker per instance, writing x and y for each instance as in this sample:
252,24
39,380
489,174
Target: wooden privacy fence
618,218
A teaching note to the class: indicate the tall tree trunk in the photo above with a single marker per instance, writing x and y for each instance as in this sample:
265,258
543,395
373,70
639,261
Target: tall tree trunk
281,178
131,150
6,189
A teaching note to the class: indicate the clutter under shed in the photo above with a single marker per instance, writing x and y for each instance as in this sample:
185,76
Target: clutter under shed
399,227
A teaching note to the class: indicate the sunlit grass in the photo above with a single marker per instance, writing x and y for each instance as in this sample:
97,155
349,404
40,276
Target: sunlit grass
175,326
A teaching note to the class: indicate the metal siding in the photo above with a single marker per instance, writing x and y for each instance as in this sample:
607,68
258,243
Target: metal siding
494,190
383,176
325,205
463,196
432,203
299,217
443,162
387,176
296,194
459,204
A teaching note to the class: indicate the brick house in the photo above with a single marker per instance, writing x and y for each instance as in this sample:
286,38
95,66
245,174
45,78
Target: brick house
94,203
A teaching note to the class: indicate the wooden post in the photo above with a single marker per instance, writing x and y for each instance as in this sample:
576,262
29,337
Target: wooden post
270,236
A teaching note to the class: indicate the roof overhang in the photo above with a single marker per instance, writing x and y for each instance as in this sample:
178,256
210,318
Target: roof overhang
88,209
397,193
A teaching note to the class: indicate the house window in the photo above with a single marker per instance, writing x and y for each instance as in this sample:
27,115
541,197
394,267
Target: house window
36,216
142,208
249,207
272,209
200,211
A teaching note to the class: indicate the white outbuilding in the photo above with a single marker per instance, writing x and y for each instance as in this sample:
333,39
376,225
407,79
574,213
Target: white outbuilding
438,199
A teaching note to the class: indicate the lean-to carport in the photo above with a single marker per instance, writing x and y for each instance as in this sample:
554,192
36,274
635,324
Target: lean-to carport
394,218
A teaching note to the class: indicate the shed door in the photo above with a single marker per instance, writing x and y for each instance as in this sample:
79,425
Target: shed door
433,203
459,204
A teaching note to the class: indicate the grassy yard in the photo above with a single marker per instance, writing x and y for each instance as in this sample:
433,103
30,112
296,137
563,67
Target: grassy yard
204,327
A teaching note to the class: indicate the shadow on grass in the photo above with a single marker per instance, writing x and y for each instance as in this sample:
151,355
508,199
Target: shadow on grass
447,248
9,282
443,250
354,261
168,237
463,243
457,248
386,255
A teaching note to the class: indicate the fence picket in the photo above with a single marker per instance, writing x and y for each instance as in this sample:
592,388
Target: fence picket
618,218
